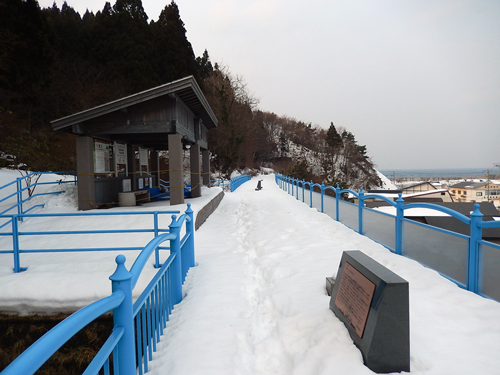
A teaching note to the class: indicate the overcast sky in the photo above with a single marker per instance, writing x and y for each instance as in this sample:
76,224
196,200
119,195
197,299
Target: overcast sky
417,82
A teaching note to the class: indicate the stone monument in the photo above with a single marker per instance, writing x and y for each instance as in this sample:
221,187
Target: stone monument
373,303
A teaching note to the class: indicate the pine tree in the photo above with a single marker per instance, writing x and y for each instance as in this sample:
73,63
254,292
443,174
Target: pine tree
204,65
174,56
333,138
122,41
26,55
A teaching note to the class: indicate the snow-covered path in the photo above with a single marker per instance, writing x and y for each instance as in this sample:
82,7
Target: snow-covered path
256,302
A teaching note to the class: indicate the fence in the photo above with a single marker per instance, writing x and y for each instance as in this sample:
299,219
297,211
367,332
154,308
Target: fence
137,325
16,233
236,182
30,188
468,260
224,184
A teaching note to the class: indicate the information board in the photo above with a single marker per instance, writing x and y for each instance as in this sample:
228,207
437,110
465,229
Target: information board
101,157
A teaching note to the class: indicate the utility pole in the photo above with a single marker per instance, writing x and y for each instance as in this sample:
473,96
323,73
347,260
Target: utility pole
487,183
497,165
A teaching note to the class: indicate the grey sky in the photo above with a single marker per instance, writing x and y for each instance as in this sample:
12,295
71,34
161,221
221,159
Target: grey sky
418,81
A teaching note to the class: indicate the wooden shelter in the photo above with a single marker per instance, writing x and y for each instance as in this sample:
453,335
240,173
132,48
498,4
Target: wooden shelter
118,143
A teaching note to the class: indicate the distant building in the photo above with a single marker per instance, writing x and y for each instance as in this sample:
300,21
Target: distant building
421,192
418,188
469,191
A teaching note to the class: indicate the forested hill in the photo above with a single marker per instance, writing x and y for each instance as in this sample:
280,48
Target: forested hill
55,62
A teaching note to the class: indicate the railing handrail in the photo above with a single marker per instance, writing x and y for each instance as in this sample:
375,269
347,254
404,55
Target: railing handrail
16,233
442,209
145,254
87,213
239,180
475,223
19,191
124,310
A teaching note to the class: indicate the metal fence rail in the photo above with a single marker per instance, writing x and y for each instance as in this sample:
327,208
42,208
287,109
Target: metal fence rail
236,182
137,326
467,260
30,188
16,233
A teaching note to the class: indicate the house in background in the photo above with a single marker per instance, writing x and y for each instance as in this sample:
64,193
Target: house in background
484,191
422,192
418,188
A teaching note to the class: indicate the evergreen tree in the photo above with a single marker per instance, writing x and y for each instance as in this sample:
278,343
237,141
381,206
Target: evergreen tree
333,138
204,65
122,42
174,56
25,56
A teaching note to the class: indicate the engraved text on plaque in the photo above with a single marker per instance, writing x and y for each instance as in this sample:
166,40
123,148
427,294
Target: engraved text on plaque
354,297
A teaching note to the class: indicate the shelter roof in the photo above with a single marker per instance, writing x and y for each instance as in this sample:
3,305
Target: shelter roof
186,89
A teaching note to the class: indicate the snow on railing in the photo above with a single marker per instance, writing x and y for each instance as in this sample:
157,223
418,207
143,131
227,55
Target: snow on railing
137,326
467,260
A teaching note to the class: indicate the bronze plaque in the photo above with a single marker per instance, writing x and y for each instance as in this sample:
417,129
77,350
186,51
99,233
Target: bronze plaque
354,297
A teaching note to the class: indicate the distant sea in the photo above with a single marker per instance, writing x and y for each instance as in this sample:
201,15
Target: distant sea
439,173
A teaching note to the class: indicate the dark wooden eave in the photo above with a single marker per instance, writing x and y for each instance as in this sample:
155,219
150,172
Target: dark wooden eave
186,89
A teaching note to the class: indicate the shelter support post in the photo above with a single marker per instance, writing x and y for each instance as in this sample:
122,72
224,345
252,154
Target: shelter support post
131,165
205,162
85,172
195,171
176,169
155,166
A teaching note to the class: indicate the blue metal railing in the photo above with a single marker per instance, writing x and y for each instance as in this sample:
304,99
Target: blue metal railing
137,326
18,194
16,233
399,240
236,182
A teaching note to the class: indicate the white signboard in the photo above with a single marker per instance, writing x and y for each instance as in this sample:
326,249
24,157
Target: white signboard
101,157
143,156
120,153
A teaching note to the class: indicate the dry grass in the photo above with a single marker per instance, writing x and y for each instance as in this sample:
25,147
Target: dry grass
18,333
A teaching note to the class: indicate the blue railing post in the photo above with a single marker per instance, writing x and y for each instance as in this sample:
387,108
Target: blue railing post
19,184
123,317
475,236
15,245
190,241
322,195
337,199
297,188
399,225
311,194
156,232
303,189
361,204
175,249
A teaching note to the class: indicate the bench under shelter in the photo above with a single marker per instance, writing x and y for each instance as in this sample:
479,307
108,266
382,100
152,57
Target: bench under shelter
118,144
